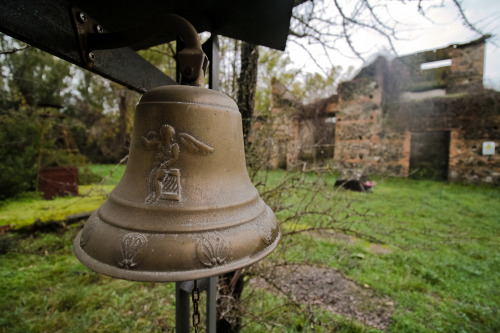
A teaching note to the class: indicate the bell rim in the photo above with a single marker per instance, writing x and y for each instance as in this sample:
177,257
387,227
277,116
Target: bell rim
177,276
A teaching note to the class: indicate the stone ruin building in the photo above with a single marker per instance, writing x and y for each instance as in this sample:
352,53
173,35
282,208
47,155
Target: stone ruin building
424,115
301,135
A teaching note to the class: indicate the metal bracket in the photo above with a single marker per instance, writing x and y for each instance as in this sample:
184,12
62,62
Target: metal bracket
83,26
92,36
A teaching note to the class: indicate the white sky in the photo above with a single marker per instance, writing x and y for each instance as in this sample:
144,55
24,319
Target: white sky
420,34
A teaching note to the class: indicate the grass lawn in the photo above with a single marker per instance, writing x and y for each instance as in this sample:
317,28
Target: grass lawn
440,265
443,271
28,208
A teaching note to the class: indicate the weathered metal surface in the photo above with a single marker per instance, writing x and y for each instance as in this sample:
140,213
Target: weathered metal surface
192,62
185,208
262,22
47,25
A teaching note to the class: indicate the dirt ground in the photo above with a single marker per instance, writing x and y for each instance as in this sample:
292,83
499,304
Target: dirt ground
332,291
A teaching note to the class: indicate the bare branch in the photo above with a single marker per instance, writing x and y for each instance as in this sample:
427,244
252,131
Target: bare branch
364,25
376,18
14,50
465,19
312,57
327,22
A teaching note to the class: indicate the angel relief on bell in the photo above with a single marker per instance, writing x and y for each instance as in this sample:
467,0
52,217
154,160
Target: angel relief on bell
164,181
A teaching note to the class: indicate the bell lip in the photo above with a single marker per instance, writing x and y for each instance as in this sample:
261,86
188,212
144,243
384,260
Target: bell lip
148,276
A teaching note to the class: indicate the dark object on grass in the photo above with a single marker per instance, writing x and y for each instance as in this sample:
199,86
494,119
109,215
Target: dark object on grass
58,182
355,183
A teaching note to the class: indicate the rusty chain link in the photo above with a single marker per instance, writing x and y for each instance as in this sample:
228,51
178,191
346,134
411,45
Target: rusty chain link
195,297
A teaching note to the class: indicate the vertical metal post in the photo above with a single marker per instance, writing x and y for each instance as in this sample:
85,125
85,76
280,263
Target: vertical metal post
182,317
182,305
212,304
211,49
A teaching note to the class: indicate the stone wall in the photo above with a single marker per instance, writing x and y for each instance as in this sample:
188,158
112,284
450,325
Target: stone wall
464,74
388,101
274,136
302,134
376,118
362,145
471,119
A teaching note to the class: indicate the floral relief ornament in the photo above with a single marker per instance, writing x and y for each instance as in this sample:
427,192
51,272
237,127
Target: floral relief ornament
164,180
212,250
132,250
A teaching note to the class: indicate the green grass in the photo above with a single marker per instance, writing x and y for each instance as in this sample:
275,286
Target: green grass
443,271
45,289
30,207
108,173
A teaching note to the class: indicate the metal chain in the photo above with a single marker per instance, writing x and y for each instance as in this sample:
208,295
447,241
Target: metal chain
195,296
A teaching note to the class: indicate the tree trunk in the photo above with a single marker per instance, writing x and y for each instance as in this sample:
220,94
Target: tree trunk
231,284
123,136
247,85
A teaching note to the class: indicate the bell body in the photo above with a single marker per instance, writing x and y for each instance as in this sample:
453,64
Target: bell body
185,208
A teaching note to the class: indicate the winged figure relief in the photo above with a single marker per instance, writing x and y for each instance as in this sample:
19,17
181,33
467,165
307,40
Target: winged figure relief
164,180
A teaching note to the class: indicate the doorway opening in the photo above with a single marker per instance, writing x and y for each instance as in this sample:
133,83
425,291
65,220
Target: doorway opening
429,155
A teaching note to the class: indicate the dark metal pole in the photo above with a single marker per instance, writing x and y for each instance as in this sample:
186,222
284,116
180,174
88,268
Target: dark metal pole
212,304
182,296
182,314
211,49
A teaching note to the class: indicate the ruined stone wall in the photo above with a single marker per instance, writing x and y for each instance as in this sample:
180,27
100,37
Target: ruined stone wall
464,74
317,130
376,120
301,134
373,142
362,145
284,134
471,120
467,67
384,109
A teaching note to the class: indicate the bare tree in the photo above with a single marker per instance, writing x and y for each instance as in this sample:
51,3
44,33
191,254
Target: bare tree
340,27
331,24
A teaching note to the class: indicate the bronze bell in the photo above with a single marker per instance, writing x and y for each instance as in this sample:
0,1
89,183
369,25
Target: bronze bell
185,208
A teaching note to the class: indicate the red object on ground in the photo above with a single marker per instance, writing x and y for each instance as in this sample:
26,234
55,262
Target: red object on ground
58,182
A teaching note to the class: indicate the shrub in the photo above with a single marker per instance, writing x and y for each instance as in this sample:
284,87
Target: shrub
19,146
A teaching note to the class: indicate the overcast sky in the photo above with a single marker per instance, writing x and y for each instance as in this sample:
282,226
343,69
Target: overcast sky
442,28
